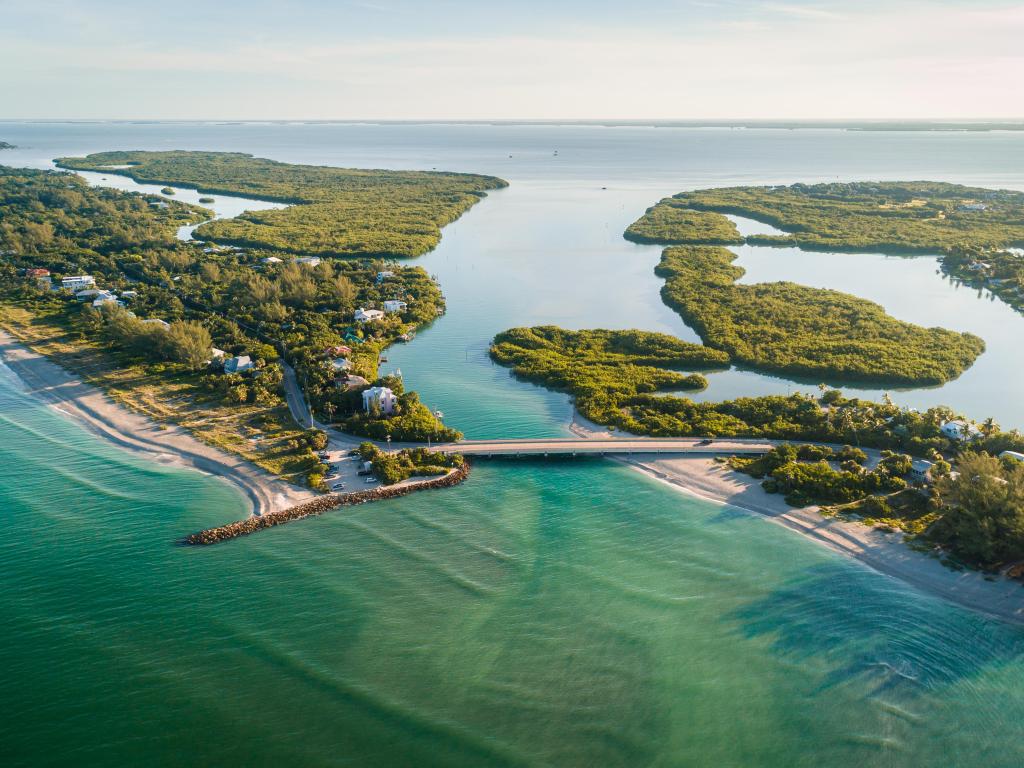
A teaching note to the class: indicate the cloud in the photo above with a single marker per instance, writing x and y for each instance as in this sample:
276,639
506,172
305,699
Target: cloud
879,62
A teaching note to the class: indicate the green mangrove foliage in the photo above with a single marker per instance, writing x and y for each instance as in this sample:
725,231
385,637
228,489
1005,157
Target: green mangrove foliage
803,331
604,365
919,216
334,211
672,222
391,468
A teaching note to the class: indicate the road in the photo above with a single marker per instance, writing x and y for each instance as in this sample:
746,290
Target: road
295,398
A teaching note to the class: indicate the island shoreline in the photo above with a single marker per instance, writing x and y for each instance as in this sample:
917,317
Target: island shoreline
166,445
883,552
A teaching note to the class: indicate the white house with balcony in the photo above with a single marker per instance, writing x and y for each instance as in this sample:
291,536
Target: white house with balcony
77,282
379,399
367,315
394,305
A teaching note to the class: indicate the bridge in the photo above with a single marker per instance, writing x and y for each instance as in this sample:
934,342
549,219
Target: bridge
621,446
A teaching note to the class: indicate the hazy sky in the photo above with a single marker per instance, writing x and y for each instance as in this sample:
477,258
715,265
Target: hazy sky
451,59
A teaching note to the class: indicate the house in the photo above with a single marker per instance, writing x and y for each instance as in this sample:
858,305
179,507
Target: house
157,321
310,261
105,297
215,353
379,399
351,381
382,276
920,471
238,364
129,294
271,260
340,364
36,272
393,305
367,315
88,294
1012,455
76,282
337,351
960,430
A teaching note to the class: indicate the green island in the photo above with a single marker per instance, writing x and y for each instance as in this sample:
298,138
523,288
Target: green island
977,232
394,467
332,212
807,332
198,334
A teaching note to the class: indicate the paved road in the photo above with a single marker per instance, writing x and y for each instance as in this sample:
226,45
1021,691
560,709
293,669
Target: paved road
295,398
602,446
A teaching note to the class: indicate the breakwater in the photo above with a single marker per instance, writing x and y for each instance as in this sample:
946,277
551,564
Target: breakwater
318,506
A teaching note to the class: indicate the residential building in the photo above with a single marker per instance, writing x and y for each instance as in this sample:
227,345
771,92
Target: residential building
920,471
351,381
382,276
76,282
339,350
340,364
105,297
88,294
37,272
960,430
393,305
367,315
379,399
238,364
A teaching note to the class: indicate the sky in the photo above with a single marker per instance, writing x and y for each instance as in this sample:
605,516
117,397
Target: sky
515,59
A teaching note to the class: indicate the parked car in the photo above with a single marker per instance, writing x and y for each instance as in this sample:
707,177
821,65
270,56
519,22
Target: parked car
370,480
338,487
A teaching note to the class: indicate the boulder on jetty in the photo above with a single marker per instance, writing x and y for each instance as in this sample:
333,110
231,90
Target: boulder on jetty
320,505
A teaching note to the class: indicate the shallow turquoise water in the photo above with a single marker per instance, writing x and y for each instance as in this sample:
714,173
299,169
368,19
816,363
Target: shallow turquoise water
540,614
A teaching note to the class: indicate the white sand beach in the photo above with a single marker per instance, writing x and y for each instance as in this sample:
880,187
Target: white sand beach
162,444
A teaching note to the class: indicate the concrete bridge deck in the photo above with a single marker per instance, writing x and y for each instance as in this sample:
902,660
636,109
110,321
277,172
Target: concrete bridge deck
603,447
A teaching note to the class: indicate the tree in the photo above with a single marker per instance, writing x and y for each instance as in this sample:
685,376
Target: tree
189,343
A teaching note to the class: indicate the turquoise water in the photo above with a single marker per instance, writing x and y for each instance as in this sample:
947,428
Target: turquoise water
542,613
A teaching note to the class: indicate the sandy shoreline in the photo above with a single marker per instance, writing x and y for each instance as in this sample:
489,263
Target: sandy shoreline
883,552
162,444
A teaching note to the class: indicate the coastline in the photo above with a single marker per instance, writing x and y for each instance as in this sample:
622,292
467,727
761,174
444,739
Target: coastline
168,445
882,551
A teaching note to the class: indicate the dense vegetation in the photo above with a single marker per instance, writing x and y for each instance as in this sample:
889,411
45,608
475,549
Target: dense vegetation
672,222
599,364
411,421
242,302
334,211
391,468
802,331
920,216
809,474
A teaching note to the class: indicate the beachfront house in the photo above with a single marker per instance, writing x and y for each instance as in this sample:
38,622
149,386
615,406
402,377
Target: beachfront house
77,282
960,430
393,305
379,400
382,276
920,471
309,261
367,315
238,364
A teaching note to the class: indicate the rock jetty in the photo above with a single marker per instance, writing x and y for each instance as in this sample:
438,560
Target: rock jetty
318,506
